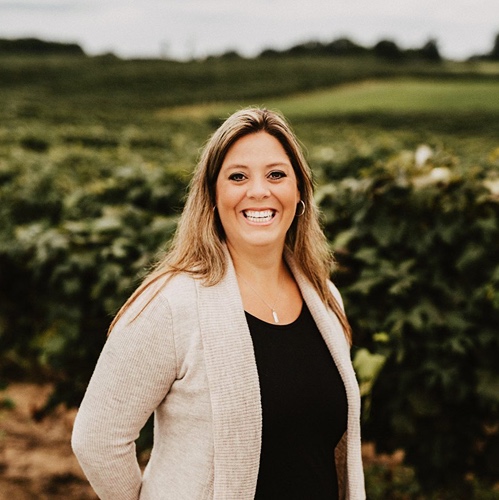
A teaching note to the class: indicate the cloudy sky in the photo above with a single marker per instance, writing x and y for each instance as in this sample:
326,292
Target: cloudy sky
195,28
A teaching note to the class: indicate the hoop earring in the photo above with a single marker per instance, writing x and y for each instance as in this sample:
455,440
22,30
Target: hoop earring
304,208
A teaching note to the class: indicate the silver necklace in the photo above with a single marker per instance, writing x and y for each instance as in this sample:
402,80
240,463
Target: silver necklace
271,307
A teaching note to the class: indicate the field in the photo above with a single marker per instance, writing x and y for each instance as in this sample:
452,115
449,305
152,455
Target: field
375,96
95,158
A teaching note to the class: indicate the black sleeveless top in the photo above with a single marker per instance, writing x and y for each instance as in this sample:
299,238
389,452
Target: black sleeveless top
304,409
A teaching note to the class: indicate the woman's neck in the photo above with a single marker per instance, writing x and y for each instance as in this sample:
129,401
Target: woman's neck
258,267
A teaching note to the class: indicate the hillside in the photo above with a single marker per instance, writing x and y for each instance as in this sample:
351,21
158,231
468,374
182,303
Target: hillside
109,87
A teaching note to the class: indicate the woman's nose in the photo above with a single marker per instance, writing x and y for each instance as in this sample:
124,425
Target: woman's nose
258,189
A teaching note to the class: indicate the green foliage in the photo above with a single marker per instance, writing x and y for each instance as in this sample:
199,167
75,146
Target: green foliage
94,163
389,480
70,255
418,252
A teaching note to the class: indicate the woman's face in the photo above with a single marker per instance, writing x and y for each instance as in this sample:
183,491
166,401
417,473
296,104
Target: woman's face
256,193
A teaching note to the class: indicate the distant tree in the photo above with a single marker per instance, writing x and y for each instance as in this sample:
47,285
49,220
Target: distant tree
308,48
36,46
344,47
494,55
429,51
231,54
388,49
270,53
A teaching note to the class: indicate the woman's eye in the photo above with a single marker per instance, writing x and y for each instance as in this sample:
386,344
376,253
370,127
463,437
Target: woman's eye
236,177
277,174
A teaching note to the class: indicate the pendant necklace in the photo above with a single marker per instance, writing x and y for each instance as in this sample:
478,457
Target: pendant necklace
271,307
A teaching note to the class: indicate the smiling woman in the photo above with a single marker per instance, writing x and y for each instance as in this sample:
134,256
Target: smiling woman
257,195
237,342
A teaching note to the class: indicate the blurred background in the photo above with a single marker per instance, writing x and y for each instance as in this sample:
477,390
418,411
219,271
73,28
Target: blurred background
103,110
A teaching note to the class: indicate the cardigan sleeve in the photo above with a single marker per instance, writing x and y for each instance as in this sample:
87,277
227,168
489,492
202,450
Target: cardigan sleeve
135,371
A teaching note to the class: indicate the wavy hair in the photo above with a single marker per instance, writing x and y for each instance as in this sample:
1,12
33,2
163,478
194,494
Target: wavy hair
198,248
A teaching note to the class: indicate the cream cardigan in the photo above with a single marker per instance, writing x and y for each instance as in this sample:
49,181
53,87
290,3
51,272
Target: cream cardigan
189,359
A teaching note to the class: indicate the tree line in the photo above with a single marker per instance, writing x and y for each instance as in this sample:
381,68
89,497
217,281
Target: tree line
385,49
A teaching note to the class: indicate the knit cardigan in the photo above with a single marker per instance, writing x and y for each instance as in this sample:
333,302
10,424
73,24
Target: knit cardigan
188,357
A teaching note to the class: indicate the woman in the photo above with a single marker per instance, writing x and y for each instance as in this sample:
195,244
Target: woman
237,341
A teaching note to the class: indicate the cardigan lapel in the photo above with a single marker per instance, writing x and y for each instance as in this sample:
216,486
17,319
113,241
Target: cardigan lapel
327,322
234,388
334,337
331,330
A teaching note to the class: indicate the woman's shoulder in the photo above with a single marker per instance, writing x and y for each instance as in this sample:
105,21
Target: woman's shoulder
336,293
172,289
161,296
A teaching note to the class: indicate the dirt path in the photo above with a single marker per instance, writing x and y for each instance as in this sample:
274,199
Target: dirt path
36,461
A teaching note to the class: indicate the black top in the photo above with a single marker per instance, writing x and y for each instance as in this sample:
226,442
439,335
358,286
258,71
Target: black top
304,410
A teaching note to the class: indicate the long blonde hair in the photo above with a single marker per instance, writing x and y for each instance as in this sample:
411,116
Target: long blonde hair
197,247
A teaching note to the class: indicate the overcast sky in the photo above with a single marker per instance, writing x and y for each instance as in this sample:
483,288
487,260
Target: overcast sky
195,28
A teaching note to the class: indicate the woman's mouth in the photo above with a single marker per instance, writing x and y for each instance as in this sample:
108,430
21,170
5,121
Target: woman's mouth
259,216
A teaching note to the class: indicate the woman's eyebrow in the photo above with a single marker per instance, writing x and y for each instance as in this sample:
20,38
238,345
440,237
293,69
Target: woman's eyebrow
268,165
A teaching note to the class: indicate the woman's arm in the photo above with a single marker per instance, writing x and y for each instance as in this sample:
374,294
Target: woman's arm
133,375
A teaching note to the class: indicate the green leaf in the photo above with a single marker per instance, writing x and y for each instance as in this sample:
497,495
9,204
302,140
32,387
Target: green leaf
488,386
367,366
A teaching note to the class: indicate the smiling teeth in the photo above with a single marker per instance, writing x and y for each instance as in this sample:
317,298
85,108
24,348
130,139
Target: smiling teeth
259,216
